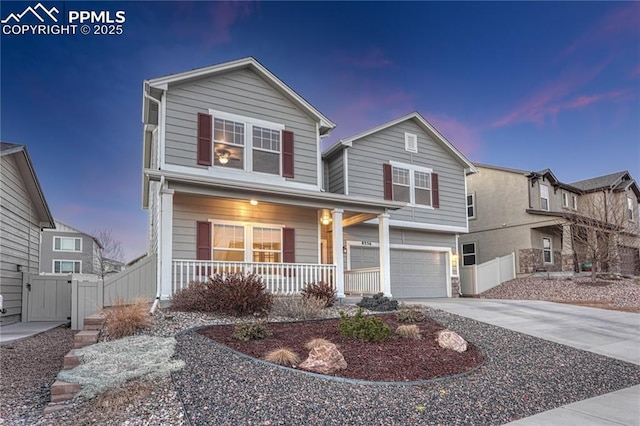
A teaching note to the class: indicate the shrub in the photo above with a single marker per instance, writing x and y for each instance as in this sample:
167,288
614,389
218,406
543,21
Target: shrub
314,343
409,315
126,318
239,294
368,329
409,332
246,331
198,296
378,303
282,356
297,307
321,291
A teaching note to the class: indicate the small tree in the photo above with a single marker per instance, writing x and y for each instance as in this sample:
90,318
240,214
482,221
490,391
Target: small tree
111,251
600,227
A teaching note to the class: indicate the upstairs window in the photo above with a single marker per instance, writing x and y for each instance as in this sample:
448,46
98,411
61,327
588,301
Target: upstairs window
411,184
544,197
228,143
565,199
266,150
471,206
574,202
630,209
67,244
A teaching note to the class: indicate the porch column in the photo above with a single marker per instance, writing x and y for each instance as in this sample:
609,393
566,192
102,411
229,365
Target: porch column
567,249
385,259
166,242
338,256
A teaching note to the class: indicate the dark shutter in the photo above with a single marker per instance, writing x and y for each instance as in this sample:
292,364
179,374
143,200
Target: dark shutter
388,181
204,139
287,154
435,192
288,245
203,241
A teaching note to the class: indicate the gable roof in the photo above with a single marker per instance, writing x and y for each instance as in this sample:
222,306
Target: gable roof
418,119
251,63
28,174
600,182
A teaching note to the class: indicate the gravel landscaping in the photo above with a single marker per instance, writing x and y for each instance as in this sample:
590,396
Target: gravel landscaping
521,376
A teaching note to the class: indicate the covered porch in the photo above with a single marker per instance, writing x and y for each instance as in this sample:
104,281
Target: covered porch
279,235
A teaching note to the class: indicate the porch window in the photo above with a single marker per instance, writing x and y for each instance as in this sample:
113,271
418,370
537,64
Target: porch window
267,245
468,254
67,244
228,140
266,150
544,197
547,251
67,266
228,243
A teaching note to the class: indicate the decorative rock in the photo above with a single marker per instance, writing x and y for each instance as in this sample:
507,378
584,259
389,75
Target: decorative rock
448,339
324,359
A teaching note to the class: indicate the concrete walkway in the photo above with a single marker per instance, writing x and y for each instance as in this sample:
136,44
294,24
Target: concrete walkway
610,333
21,330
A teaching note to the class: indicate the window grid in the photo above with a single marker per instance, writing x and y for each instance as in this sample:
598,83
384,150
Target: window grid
267,245
471,206
547,252
544,197
401,176
266,139
67,266
228,132
468,254
67,244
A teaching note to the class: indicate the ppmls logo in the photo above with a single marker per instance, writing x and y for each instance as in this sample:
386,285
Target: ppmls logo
40,20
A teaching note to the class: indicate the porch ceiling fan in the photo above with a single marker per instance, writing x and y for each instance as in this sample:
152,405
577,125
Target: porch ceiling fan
224,156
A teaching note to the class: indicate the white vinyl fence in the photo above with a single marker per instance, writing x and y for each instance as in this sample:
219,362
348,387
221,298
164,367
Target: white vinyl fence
476,279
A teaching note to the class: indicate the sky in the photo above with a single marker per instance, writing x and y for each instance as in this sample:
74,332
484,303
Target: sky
526,85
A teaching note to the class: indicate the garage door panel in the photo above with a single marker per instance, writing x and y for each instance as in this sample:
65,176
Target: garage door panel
418,274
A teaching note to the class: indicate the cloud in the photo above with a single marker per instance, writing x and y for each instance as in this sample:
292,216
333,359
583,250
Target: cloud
373,58
224,15
551,99
619,23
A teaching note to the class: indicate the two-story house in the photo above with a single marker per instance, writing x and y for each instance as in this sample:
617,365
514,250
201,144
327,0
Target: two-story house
540,219
66,250
24,212
234,179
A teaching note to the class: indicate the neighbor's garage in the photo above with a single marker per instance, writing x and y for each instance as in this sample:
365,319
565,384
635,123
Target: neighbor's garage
414,273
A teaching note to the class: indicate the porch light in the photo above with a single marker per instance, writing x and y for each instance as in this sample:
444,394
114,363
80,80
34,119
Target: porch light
325,220
253,202
19,268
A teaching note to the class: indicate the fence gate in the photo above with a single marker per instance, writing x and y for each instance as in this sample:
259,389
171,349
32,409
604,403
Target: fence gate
47,298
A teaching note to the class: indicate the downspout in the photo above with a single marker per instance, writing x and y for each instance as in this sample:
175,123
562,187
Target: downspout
156,302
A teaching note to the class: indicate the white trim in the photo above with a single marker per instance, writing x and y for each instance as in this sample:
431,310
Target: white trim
319,165
69,238
462,254
345,171
550,250
163,83
411,167
338,243
248,228
242,118
384,254
410,142
424,226
53,266
241,176
162,115
165,245
543,198
473,205
412,182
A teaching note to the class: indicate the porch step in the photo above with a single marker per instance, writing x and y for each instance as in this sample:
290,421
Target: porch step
94,322
53,407
85,338
71,360
63,391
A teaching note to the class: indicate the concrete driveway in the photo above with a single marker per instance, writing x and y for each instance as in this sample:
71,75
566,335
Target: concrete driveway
610,333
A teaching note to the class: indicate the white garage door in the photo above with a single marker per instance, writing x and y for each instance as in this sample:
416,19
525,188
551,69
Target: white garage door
418,273
413,273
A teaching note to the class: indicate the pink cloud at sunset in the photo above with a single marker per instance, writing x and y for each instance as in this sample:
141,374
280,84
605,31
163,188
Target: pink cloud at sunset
464,137
224,15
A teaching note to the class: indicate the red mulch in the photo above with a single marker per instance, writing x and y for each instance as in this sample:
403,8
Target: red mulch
394,360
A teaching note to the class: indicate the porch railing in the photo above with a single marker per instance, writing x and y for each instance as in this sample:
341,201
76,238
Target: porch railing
279,278
362,281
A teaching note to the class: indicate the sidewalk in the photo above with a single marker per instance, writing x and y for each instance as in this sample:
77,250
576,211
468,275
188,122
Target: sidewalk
21,330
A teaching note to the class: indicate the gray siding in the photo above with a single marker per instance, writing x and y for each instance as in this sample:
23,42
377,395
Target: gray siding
244,93
336,173
368,154
48,255
190,209
19,237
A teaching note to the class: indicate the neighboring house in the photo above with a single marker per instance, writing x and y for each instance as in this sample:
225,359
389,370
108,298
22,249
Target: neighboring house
112,266
23,214
234,180
540,219
66,250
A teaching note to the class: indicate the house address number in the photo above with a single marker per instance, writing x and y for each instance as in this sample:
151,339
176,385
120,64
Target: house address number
366,243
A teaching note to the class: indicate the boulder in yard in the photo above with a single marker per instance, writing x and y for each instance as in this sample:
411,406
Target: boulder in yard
448,339
324,359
